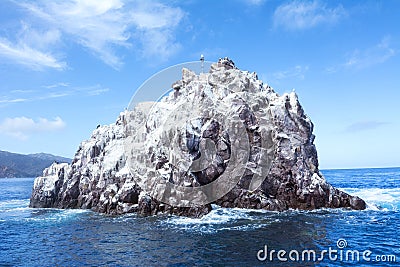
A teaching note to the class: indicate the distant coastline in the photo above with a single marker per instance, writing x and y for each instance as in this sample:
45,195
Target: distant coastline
358,168
13,165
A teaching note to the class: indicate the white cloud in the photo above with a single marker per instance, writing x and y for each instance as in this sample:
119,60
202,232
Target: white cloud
56,85
23,127
364,58
297,72
63,89
371,56
152,15
41,40
23,54
56,90
364,126
254,2
156,44
299,15
12,100
104,26
97,91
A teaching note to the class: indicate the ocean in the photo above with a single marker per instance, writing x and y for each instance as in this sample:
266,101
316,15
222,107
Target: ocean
225,237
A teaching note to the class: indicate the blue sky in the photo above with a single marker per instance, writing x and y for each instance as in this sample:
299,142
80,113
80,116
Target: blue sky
67,66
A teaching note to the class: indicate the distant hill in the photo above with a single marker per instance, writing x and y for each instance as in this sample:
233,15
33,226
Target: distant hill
46,156
32,165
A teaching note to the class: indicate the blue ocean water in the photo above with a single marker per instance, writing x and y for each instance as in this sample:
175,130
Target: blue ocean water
225,237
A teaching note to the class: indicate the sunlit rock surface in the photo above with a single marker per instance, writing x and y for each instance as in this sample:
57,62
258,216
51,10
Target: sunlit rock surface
110,175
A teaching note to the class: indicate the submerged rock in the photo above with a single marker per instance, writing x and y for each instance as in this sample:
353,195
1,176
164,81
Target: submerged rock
125,167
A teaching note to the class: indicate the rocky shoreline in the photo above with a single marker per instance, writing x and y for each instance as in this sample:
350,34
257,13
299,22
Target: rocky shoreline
106,177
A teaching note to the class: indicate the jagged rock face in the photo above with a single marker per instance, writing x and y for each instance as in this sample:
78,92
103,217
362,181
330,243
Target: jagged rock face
108,176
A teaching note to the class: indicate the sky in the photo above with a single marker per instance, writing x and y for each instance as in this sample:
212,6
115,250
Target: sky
67,66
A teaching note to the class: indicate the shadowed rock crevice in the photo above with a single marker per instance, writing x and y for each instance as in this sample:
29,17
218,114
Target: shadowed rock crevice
106,177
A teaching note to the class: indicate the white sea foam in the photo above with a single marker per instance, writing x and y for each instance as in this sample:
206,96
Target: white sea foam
19,209
222,219
229,219
13,204
385,199
220,216
54,215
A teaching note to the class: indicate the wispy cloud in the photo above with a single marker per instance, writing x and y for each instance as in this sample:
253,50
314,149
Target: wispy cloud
364,126
97,91
104,26
364,58
23,54
23,127
56,85
22,91
157,44
299,15
56,90
6,100
371,56
297,72
155,24
254,2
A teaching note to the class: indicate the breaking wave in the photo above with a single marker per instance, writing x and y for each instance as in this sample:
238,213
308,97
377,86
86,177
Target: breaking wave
387,199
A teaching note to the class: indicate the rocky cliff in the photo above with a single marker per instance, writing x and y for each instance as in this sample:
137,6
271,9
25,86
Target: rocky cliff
220,137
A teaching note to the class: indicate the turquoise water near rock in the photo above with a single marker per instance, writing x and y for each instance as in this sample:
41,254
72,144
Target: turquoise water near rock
225,237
